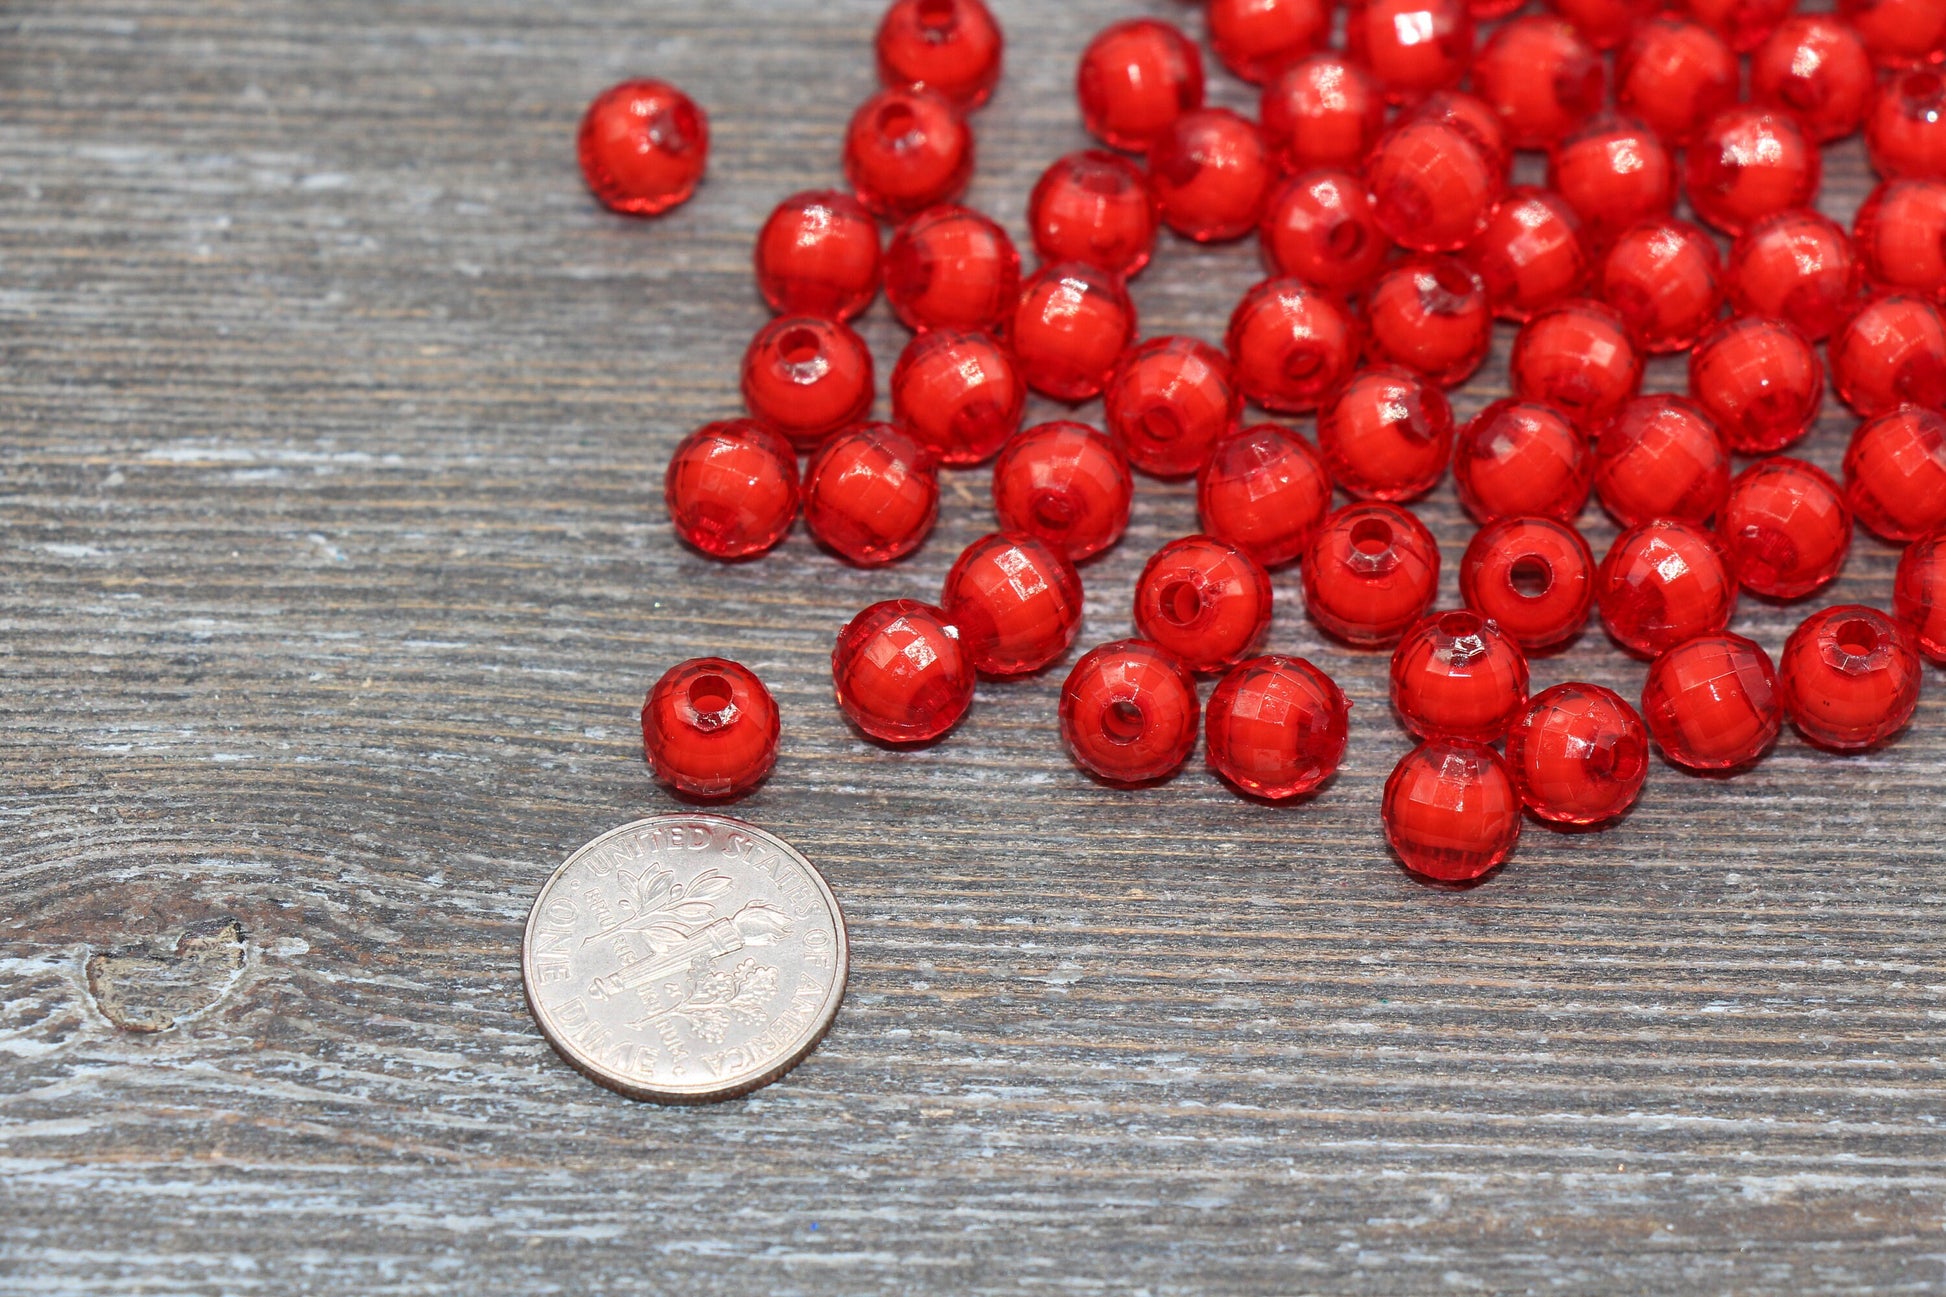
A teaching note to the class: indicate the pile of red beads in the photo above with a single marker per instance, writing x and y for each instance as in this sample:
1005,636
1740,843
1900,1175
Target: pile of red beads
1380,193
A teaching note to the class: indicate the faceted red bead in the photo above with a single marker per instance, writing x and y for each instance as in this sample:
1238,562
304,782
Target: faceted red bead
1169,403
1747,163
806,378
1665,278
1816,67
1895,473
1605,24
1290,345
1542,79
1849,678
1135,79
1456,675
1515,459
1660,456
1264,490
1094,207
951,268
906,150
1579,754
1534,577
871,494
643,146
1577,358
1451,810
950,47
1064,483
1369,572
1900,237
1785,529
1615,173
1664,582
960,395
1743,23
1129,713
1320,228
1712,702
1258,38
1919,594
1432,187
1674,76
731,489
1016,601
1211,171
1071,327
1531,255
1798,267
1322,111
1899,33
1892,352
1759,380
1905,129
710,728
1431,315
1387,434
1411,47
818,254
1276,727
901,673
1205,600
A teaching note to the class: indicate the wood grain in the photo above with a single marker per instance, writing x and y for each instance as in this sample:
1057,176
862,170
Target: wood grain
333,569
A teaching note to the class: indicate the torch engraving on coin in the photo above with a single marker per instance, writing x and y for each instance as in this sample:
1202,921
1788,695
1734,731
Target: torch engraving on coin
685,958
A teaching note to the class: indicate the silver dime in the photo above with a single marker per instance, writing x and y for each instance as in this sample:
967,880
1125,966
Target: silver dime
685,958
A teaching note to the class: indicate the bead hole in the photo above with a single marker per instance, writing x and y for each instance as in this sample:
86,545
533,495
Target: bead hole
1449,291
1054,511
799,346
1461,625
897,124
1345,240
1181,603
710,695
1159,425
1101,181
1858,637
1530,576
1923,90
1371,536
938,17
1122,721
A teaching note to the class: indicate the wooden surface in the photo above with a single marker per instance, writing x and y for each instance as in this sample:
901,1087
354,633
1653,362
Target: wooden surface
332,572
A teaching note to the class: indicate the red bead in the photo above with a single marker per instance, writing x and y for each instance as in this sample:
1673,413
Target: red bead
1204,600
1664,582
951,268
1094,207
806,378
1579,754
1533,576
906,150
1016,601
1432,187
1660,456
1615,173
1895,473
1542,79
1258,38
1323,111
1516,460
950,47
1290,345
871,494
1892,352
1577,358
1849,678
1431,315
1451,811
1817,68
1674,76
1665,279
1064,483
1369,572
709,729
1905,130
643,146
1760,381
1169,403
1412,47
1135,79
1899,33
1798,267
901,673
1387,434
1320,228
1604,24
818,254
1785,529
1211,172
1129,712
1919,594
1070,329
1712,703
1531,255
1265,490
1456,675
1276,727
1900,237
731,489
1748,163
960,395
1743,23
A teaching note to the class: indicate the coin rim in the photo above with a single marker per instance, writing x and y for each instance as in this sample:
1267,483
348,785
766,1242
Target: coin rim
702,1092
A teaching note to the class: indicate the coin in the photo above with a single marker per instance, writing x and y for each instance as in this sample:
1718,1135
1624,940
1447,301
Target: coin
685,958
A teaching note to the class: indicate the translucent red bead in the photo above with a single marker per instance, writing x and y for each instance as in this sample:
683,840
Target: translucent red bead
1257,38
1016,602
1135,79
1815,67
1432,187
900,672
1431,315
1387,434
1849,678
1900,237
1664,277
643,146
1211,171
1891,352
1796,266
950,47
1760,382
1531,255
1204,600
1457,675
871,494
1898,33
806,378
1747,163
1070,328
710,729
1674,76
1517,459
732,489
1579,755
951,268
1919,594
1895,473
1534,577
1319,228
1370,571
1451,810
1578,358
1664,582
960,395
1614,172
1322,111
1129,713
1290,345
1264,490
1276,727
1660,456
1169,403
819,254
1712,702
906,150
1905,129
1542,79
1412,47
1094,207
1064,483
1785,529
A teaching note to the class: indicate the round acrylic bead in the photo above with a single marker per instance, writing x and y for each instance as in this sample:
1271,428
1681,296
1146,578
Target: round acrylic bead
1747,163
1169,402
1257,38
871,494
1542,79
1743,23
1370,571
1016,602
1276,727
1322,111
1070,328
1665,278
1891,352
1534,577
818,254
1094,207
1919,594
710,729
906,150
1674,76
1795,266
1265,491
1431,315
1516,459
960,395
951,268
1129,713
1204,600
806,378
1785,529
1319,228
1615,173
1605,24
643,146
1712,702
1531,254
1135,79
1456,675
1290,345
1664,582
732,489
1900,237
1759,380
1660,456
1895,473
1387,434
1451,810
1211,173
1577,358
1411,47
1898,33
901,673
950,47
1849,678
1064,483
1579,754
1432,187
1815,67
1905,130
